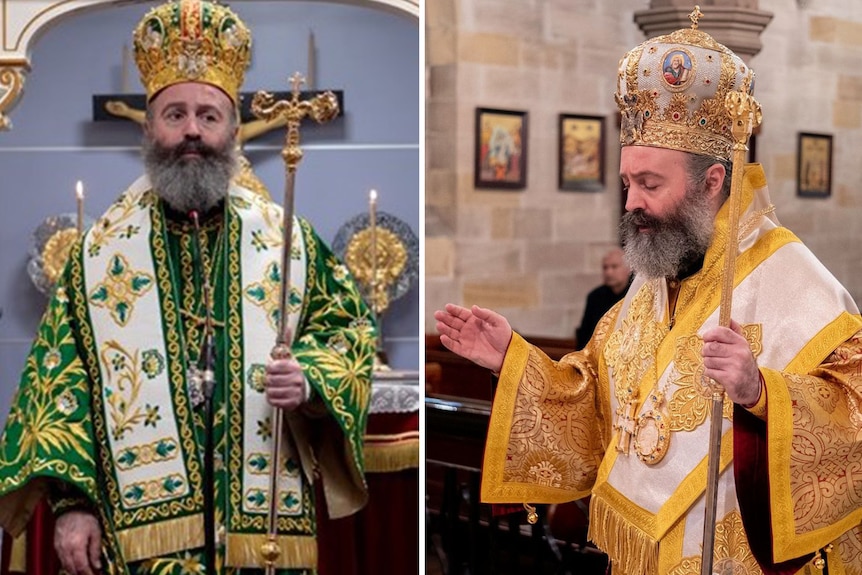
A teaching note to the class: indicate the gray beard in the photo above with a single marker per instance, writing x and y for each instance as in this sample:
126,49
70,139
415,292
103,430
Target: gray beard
190,184
673,242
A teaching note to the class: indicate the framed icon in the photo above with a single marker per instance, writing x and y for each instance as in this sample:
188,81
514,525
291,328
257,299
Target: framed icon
814,167
581,153
501,149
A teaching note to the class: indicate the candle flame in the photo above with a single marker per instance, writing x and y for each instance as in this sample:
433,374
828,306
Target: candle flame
373,195
79,190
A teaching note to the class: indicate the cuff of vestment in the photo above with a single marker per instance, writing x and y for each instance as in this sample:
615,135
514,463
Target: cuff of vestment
759,408
63,498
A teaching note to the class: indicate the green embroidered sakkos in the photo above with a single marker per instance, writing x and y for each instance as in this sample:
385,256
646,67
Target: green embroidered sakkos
105,406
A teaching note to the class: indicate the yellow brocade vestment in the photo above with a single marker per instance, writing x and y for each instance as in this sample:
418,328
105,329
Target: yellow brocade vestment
626,420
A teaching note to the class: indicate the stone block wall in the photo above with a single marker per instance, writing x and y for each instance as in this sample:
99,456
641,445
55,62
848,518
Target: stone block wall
534,254
807,81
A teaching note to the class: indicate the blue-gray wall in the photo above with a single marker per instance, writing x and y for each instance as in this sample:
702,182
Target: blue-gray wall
372,55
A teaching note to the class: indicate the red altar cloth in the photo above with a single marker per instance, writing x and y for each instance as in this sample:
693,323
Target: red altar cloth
384,536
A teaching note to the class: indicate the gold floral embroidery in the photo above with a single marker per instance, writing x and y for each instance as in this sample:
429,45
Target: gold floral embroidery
753,333
110,225
690,403
692,400
271,234
545,469
188,564
256,377
732,553
265,294
120,289
163,449
630,352
849,546
822,459
122,388
52,359
631,349
290,500
147,492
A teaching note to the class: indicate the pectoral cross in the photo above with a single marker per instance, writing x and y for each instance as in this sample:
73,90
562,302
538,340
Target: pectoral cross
625,425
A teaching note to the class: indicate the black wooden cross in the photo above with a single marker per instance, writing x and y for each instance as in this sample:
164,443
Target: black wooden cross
138,103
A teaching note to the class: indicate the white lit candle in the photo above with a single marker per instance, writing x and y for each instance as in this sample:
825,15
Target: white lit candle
372,210
79,196
372,207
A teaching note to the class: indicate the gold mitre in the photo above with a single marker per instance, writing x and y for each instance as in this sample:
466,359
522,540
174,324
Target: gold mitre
671,92
192,41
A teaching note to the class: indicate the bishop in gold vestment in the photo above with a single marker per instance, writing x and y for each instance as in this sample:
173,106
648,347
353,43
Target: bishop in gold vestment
626,420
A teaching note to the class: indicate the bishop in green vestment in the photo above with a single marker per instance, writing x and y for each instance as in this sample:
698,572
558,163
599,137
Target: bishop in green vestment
109,422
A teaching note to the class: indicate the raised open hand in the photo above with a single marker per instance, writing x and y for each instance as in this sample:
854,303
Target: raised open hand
477,334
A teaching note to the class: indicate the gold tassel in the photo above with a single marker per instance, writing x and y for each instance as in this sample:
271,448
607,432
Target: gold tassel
391,457
297,551
630,549
532,516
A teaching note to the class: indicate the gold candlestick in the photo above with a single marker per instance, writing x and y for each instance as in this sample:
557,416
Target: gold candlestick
79,197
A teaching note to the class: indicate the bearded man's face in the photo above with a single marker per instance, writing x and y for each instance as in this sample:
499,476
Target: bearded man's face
668,223
663,246
190,146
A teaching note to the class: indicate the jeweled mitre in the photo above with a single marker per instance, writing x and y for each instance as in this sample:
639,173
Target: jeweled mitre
671,91
192,41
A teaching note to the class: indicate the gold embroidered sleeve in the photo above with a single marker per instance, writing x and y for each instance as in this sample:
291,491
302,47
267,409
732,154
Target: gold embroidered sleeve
48,433
335,344
815,450
544,440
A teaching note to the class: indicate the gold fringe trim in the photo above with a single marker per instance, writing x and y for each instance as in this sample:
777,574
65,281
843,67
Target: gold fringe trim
297,552
18,556
394,453
630,549
162,538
